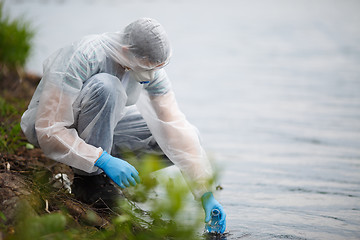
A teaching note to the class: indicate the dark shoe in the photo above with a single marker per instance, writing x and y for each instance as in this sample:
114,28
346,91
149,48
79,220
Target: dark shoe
96,190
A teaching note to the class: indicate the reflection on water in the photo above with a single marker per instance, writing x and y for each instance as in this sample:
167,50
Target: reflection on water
273,86
216,236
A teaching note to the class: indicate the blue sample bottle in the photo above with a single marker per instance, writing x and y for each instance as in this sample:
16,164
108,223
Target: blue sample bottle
213,224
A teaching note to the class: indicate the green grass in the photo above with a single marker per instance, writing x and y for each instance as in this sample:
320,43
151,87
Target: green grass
15,42
15,47
11,137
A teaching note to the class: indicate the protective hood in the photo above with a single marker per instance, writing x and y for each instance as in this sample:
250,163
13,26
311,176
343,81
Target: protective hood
142,45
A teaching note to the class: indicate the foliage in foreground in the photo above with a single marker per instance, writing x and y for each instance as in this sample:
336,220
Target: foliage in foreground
165,201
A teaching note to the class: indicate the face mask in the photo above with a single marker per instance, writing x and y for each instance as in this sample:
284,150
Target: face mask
142,77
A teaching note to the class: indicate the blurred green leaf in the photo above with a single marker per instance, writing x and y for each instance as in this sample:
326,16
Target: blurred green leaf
15,41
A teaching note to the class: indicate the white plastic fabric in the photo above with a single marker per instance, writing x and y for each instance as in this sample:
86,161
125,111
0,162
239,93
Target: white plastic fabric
177,138
142,47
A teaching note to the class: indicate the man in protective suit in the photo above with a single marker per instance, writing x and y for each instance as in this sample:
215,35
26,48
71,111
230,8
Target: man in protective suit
109,93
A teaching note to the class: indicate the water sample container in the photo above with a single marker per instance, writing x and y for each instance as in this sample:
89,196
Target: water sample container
213,224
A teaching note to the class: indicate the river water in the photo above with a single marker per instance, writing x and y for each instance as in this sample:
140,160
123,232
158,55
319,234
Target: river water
274,88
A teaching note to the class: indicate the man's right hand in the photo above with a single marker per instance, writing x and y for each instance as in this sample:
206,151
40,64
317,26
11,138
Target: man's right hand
120,171
209,203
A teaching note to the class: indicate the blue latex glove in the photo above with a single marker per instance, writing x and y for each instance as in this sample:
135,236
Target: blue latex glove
209,204
120,171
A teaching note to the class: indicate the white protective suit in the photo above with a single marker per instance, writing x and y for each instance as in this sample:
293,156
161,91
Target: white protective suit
52,111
